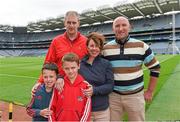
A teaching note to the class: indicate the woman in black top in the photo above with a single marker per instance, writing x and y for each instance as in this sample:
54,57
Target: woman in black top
98,72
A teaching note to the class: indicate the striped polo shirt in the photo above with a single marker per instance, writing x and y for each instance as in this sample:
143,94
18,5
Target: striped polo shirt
127,60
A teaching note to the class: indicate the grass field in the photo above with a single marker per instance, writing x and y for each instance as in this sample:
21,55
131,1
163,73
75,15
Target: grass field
18,75
165,106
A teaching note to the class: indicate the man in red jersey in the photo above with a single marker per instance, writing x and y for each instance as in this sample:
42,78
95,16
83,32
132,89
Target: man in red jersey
70,41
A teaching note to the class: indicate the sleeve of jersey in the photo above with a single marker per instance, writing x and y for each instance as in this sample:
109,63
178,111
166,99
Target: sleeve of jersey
87,110
31,111
50,57
151,62
52,106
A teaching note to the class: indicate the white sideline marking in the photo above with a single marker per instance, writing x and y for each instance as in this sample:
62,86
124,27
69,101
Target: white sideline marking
167,59
145,68
37,78
20,76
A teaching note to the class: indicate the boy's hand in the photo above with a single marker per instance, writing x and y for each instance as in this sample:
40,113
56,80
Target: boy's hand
59,84
45,112
86,82
34,88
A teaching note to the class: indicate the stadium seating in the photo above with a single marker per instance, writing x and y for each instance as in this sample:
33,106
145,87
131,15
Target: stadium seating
156,31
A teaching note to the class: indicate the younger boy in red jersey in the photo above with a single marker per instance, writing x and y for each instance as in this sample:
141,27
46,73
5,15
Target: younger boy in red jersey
71,104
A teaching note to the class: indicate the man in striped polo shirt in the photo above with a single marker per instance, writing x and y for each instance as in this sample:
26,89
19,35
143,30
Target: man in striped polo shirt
127,55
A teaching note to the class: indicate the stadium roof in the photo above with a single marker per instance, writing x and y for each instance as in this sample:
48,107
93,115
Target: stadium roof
139,8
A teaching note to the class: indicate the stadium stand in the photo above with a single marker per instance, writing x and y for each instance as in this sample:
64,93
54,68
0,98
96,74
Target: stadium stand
148,18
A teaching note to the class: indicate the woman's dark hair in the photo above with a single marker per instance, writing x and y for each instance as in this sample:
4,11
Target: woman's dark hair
97,38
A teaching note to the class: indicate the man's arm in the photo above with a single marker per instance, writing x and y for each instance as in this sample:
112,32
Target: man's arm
154,66
148,95
50,57
34,89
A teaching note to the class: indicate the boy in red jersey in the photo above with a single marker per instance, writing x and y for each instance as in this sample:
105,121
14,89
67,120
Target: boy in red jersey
71,104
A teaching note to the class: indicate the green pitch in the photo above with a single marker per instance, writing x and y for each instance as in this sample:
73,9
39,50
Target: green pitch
165,105
18,75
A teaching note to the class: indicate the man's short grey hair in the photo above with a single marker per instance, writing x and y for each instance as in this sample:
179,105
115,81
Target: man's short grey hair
74,13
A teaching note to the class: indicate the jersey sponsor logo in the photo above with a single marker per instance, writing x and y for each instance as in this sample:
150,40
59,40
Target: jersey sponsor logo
62,96
80,98
39,97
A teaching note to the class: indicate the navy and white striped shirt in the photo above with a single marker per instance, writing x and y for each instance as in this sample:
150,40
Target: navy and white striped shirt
127,60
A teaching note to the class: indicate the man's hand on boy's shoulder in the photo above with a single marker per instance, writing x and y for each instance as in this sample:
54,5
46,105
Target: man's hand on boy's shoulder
34,88
59,84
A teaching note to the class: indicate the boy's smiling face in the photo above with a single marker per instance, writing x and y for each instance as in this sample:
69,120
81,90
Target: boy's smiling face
49,77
